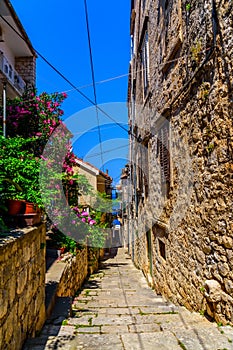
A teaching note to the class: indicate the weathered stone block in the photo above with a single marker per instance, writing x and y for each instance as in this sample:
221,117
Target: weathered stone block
200,256
11,324
3,302
21,306
11,287
227,242
213,291
223,269
21,280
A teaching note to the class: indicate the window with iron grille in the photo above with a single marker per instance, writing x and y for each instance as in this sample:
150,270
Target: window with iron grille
164,157
146,169
145,62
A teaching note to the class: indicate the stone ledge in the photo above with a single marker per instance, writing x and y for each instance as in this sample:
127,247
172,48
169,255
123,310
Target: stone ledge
63,278
52,280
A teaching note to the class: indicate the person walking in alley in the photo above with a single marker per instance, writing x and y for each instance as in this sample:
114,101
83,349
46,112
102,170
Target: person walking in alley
116,232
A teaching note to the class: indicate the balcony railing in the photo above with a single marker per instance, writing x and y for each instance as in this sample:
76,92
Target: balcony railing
11,74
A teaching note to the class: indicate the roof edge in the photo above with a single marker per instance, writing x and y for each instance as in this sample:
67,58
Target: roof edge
20,26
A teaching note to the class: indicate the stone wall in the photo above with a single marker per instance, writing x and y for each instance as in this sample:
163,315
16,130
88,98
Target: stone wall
77,268
22,286
74,274
93,259
190,87
26,67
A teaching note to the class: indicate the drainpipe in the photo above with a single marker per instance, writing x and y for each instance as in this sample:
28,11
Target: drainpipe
4,108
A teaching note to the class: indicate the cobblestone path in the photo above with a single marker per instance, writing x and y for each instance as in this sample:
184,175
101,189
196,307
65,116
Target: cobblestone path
116,310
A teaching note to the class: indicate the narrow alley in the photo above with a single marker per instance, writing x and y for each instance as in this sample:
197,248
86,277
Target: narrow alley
116,309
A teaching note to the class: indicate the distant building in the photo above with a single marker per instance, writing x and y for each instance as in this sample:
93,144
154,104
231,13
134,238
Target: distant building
97,179
181,148
17,56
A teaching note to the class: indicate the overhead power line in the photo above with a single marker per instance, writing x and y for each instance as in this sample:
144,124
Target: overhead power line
136,71
93,81
108,151
68,80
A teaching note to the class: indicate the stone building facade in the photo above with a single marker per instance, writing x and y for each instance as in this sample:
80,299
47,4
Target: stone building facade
179,222
99,181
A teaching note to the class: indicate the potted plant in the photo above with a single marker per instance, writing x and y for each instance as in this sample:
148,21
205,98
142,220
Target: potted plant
19,178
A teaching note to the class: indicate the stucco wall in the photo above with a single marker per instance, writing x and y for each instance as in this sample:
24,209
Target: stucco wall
92,180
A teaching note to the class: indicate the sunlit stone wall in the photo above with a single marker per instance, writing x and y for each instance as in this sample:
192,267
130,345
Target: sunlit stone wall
22,286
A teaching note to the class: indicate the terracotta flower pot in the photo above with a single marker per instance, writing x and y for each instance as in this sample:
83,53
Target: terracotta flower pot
15,206
62,249
31,208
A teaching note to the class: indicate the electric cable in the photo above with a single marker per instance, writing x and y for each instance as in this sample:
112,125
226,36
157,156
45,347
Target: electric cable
69,81
108,151
75,88
93,80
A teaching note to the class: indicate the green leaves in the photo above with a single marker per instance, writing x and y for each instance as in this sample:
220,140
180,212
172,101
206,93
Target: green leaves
19,170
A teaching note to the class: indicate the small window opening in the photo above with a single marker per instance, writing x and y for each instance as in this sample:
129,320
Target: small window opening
1,35
162,249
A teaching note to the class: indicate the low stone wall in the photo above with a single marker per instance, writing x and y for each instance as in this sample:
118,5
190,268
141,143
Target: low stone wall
22,281
74,274
93,259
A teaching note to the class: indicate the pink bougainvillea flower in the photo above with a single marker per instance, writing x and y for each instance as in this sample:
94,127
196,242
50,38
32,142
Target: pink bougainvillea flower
85,213
92,222
83,220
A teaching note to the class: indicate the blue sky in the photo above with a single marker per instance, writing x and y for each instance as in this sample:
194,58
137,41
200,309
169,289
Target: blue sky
59,33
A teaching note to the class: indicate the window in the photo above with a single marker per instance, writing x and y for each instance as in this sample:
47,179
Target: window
145,63
162,249
143,4
143,170
166,4
164,157
1,35
160,234
132,46
146,168
10,71
140,192
172,58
